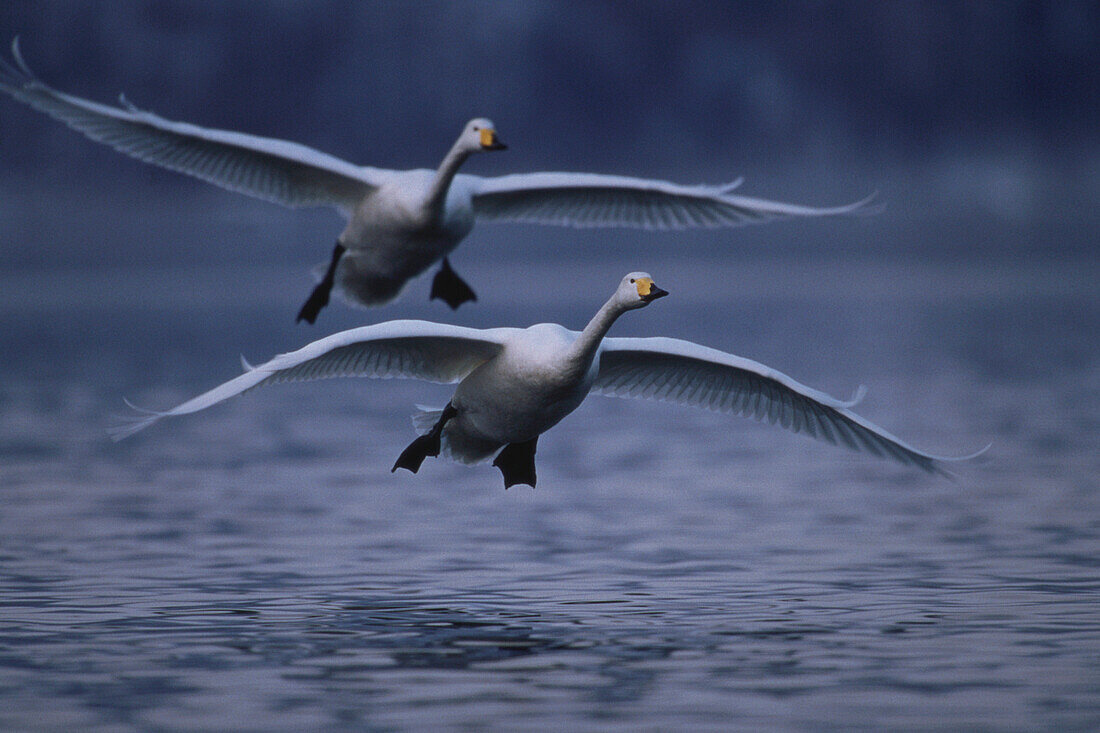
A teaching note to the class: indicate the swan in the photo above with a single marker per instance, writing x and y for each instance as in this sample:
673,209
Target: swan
399,223
516,383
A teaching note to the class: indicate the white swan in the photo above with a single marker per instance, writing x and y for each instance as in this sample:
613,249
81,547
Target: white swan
399,222
515,384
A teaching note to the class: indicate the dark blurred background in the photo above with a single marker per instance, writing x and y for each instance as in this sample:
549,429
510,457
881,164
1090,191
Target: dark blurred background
976,122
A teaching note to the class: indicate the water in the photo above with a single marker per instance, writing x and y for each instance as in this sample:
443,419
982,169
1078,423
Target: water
257,566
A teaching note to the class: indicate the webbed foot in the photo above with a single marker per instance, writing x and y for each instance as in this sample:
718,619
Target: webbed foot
418,450
450,288
426,445
517,463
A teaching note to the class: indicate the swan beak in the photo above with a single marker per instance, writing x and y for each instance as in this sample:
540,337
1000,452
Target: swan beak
654,293
490,141
648,290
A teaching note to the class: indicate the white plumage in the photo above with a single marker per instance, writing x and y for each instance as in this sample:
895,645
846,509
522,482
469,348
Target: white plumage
399,222
514,384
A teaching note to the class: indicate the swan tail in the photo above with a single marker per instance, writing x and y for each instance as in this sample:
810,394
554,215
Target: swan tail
357,284
456,445
425,418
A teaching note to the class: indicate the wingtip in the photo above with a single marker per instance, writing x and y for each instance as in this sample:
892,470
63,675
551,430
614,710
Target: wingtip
131,424
10,74
870,205
141,410
17,55
118,433
975,454
967,457
936,465
857,397
127,104
732,185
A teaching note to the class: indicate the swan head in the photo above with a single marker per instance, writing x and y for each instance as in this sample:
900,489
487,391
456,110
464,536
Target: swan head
480,135
636,291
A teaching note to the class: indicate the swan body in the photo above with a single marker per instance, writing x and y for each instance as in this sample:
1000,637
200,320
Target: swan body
515,384
393,235
540,379
399,223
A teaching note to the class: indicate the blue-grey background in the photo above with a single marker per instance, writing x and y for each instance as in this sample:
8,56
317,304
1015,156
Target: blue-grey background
257,567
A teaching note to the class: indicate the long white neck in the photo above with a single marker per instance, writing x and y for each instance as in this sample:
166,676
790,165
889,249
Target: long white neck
437,194
587,344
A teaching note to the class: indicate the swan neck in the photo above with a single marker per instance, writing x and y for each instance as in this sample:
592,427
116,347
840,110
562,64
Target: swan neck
588,343
444,176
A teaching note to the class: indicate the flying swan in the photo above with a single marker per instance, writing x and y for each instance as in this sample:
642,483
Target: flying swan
399,222
516,383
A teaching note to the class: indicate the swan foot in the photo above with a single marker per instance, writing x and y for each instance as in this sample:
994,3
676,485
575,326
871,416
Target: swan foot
450,288
517,463
426,445
318,299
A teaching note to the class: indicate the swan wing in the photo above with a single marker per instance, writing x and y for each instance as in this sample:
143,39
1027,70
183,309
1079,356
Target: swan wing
403,349
680,371
595,200
275,170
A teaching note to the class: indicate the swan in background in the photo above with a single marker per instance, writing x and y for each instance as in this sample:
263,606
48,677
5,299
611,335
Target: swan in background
516,383
399,222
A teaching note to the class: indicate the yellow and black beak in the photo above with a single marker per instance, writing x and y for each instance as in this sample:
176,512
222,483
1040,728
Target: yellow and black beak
648,290
490,141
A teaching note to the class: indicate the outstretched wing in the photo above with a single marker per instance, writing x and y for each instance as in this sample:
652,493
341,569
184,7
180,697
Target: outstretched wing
680,371
411,349
594,200
275,170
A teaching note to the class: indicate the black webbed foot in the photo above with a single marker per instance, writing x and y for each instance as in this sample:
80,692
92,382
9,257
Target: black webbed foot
517,463
318,299
450,288
418,450
426,445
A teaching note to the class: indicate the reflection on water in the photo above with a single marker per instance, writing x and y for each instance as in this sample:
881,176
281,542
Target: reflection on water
257,567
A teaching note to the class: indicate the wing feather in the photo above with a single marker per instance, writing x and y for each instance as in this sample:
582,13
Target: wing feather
686,373
595,200
403,349
274,170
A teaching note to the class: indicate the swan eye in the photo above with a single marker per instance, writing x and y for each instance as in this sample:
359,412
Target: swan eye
631,279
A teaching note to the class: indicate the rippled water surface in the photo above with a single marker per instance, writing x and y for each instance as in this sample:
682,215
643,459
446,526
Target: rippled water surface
257,567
